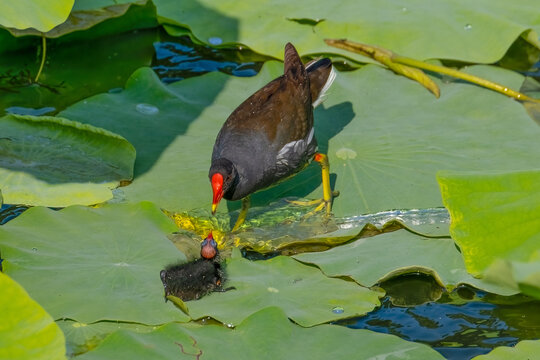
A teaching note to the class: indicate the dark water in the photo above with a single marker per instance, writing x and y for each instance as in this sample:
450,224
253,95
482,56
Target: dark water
179,58
460,324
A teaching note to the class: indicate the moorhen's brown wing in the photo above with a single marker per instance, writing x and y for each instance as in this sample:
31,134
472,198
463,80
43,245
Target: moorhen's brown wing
270,135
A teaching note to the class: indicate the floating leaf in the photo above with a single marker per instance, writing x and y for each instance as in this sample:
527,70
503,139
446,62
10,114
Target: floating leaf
111,255
41,15
81,337
83,18
479,31
57,162
267,334
375,259
527,349
303,292
26,330
495,222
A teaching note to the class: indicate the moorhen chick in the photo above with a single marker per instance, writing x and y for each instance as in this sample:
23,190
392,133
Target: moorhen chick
270,136
193,280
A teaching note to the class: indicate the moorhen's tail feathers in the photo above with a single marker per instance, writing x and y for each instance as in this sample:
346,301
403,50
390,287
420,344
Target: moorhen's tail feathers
293,67
321,76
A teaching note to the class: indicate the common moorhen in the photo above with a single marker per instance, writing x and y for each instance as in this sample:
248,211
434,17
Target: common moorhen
192,280
270,136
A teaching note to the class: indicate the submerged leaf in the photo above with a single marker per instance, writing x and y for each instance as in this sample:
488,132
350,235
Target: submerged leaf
27,331
267,334
57,162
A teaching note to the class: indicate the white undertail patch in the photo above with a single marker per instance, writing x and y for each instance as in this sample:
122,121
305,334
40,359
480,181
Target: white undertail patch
322,94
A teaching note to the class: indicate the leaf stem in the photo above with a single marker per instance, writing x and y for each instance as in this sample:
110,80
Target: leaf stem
43,54
464,76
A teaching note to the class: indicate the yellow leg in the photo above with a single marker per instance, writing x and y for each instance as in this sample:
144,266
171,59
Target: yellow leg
242,216
322,159
328,194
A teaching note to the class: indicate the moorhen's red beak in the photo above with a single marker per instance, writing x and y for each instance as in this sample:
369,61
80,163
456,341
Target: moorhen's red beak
217,188
209,247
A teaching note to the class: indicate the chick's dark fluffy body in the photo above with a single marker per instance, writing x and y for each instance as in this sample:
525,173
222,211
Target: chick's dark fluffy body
193,280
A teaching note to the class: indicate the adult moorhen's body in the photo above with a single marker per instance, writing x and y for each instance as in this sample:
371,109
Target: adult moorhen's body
270,136
192,280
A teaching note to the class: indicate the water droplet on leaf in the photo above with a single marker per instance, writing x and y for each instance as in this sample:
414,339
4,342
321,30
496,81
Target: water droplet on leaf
346,153
338,310
147,109
468,27
215,40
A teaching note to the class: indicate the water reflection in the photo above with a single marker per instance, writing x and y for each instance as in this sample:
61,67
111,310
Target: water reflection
179,58
457,325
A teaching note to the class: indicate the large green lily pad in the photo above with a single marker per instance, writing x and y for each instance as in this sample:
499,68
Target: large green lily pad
303,292
375,259
495,221
100,264
267,334
26,330
386,136
41,15
57,162
479,31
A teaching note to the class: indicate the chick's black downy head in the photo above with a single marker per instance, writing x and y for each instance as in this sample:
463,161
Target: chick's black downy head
193,280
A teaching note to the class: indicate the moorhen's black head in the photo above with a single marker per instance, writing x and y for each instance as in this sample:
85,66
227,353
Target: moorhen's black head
224,177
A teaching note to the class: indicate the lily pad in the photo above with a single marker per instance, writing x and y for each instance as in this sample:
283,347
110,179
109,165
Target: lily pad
134,15
81,337
480,31
383,151
26,330
372,260
527,349
302,292
57,162
267,334
495,222
41,15
100,264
